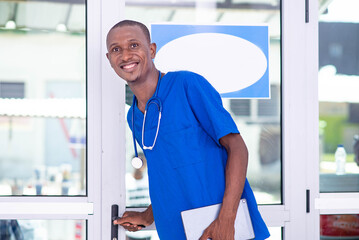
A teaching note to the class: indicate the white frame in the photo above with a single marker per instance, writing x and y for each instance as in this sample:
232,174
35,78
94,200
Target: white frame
94,95
300,118
63,208
106,135
104,145
110,104
338,203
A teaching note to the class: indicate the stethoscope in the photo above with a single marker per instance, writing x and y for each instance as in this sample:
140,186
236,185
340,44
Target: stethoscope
137,162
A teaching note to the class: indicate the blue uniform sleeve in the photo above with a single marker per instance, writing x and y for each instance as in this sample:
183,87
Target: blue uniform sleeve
206,104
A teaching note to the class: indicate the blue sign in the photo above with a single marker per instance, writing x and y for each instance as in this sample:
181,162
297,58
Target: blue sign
234,59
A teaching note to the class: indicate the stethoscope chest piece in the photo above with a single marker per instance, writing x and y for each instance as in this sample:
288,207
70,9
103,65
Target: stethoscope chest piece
137,162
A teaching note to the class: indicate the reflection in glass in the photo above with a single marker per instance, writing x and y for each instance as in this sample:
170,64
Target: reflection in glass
142,235
338,97
339,226
275,234
137,194
258,120
43,229
42,98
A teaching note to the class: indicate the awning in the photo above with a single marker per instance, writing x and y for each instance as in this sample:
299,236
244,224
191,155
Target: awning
50,108
339,88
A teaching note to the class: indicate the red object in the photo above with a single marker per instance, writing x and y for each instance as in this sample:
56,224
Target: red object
78,230
66,131
340,225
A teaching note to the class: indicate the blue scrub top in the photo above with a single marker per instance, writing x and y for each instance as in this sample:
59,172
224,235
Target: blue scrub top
186,168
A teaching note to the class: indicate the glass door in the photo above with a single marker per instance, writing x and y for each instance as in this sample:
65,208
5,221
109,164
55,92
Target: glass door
56,179
43,121
339,120
276,129
258,120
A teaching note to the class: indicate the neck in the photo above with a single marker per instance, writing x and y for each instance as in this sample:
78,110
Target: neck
144,90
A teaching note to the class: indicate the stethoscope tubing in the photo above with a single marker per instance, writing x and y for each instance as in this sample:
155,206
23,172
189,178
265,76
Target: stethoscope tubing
143,127
154,100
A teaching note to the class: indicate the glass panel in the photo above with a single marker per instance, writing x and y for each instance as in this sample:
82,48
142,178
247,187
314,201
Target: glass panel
338,97
142,235
258,120
42,98
43,230
339,226
275,234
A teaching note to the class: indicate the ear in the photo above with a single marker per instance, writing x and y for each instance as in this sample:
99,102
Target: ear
108,57
153,48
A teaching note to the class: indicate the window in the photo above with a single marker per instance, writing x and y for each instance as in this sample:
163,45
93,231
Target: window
259,120
338,98
43,116
12,90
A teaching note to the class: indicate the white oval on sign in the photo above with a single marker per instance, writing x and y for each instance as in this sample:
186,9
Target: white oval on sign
228,62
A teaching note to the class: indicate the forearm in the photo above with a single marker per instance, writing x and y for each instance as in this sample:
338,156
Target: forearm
236,170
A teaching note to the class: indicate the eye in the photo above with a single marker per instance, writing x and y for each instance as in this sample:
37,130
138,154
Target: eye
115,49
134,45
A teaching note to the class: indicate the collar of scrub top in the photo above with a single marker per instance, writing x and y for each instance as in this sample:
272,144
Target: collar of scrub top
153,100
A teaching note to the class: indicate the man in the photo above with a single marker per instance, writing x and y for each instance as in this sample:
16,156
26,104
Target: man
198,156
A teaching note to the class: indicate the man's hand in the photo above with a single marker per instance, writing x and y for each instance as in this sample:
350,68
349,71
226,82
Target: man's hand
220,229
135,221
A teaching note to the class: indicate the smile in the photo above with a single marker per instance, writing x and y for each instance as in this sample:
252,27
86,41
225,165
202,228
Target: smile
129,66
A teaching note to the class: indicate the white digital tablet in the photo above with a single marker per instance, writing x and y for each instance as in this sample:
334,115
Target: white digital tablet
195,221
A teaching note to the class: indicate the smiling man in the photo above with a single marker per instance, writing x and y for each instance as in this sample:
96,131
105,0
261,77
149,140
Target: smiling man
195,154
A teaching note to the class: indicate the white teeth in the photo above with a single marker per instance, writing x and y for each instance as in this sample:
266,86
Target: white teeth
129,66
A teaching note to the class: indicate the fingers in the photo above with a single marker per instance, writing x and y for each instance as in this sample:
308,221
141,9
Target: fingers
205,236
131,227
131,221
123,219
127,225
126,222
119,221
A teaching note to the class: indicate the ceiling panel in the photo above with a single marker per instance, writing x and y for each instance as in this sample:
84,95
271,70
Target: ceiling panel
41,15
6,11
77,19
147,14
269,2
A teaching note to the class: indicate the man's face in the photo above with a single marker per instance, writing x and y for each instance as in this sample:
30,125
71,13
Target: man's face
130,54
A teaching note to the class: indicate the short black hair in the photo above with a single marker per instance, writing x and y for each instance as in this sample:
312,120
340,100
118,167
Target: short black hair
134,23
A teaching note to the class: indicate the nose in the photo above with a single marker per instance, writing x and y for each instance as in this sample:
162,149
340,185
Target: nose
126,55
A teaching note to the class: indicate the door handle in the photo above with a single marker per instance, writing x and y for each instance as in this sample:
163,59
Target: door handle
114,228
